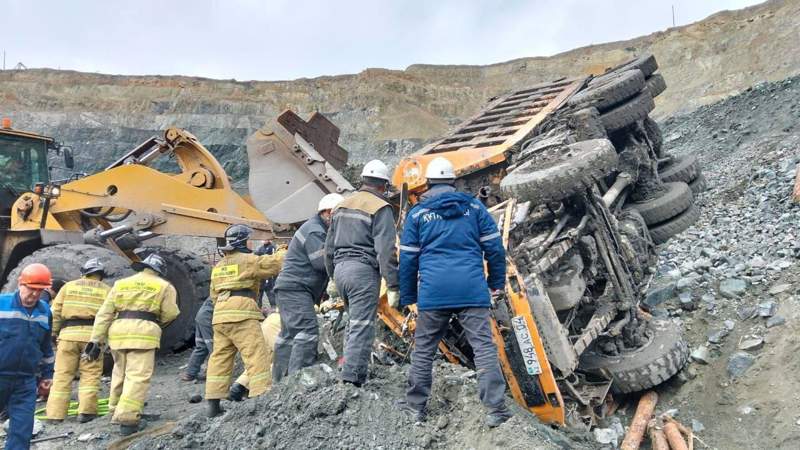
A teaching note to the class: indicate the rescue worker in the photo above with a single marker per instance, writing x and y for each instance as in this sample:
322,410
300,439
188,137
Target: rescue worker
299,287
74,309
270,328
235,282
131,318
446,227
26,349
203,341
359,249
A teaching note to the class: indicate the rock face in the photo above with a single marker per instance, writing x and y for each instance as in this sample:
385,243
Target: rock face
386,113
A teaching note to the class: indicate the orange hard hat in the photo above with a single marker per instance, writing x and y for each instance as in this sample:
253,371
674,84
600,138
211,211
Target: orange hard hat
36,276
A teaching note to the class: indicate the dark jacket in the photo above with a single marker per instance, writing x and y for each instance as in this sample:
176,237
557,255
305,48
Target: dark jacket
304,264
363,229
445,241
25,345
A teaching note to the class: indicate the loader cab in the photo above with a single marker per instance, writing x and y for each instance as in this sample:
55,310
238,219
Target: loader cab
23,165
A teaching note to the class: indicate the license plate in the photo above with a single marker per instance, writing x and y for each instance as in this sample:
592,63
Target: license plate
526,345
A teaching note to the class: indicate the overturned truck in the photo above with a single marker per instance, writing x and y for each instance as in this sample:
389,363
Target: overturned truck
575,174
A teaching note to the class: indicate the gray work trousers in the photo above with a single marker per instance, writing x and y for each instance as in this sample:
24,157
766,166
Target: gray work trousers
203,339
296,344
431,327
359,285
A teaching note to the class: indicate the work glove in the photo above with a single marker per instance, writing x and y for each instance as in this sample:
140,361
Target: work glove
327,305
331,289
393,298
92,351
496,294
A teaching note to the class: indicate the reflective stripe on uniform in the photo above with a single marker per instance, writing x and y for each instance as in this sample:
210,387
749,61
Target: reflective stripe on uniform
94,306
259,376
360,323
49,360
317,254
355,216
300,237
132,402
141,337
281,340
305,337
23,316
489,237
408,248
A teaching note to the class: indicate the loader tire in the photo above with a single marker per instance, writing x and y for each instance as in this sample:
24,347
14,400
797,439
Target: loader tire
191,277
560,172
662,232
664,355
700,184
613,91
629,112
681,168
656,84
653,132
675,199
65,261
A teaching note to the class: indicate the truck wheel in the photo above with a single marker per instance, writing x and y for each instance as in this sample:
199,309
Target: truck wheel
681,168
611,92
629,112
556,173
663,231
662,356
675,199
653,133
656,84
191,277
65,261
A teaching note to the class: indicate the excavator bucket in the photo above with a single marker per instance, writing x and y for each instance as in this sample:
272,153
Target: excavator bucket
293,164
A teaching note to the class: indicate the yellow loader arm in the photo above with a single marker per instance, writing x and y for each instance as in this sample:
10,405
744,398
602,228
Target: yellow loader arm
130,197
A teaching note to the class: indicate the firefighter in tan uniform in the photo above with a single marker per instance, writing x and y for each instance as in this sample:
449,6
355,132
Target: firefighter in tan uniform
235,282
74,309
132,316
270,328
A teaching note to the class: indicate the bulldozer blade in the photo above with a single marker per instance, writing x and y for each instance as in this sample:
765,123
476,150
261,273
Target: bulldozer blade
289,169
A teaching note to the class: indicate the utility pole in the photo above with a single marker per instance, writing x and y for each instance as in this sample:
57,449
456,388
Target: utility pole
673,16
4,60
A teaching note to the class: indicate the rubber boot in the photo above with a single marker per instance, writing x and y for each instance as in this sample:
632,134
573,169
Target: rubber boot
127,430
237,392
83,418
496,418
214,408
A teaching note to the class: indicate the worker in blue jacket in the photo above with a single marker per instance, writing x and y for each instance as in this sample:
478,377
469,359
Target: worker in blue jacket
25,350
446,238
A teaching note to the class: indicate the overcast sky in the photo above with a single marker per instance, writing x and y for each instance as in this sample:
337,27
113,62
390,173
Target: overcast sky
285,39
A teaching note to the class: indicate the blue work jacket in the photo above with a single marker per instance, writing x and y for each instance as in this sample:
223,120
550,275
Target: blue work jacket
25,345
445,240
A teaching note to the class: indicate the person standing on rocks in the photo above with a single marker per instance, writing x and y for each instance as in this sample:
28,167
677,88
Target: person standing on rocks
235,283
443,228
131,319
359,249
74,309
203,342
299,287
26,349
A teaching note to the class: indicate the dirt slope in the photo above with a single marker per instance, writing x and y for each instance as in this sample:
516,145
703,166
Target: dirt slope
388,112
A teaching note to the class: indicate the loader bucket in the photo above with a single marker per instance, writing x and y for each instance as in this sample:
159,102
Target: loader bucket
293,164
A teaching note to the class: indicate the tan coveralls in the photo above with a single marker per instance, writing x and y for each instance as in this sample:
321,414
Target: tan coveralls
74,309
270,328
134,341
235,282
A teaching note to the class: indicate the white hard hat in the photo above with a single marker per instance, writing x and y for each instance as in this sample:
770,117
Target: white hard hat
440,169
329,201
376,169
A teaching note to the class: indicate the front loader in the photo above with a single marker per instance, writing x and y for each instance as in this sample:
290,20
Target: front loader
117,212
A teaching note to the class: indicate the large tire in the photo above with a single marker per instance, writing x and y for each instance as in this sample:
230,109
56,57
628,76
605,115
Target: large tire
674,200
681,168
662,232
557,173
613,91
191,277
65,261
656,84
653,133
664,354
629,112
